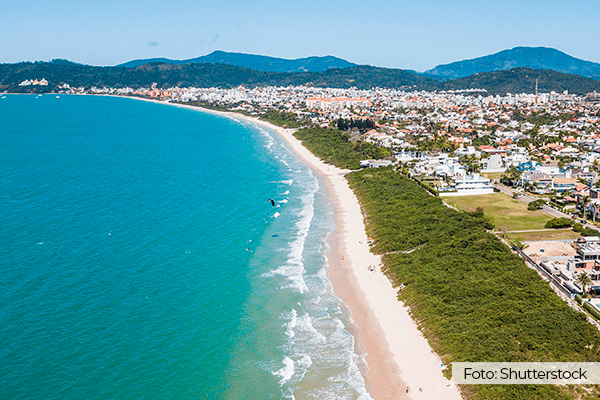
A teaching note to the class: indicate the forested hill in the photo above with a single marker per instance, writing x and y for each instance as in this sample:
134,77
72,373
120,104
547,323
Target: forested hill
201,75
525,57
257,62
518,80
522,80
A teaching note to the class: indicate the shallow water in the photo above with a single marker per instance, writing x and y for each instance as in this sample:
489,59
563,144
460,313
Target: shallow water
141,258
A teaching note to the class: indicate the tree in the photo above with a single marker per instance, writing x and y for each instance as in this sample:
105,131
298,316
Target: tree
536,205
585,200
470,162
590,232
559,223
583,280
511,176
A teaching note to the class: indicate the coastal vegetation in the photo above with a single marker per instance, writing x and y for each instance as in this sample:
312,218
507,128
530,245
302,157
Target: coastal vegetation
213,106
335,147
282,118
276,117
472,297
362,125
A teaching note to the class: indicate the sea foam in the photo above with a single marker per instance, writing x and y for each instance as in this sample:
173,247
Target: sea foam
286,372
294,267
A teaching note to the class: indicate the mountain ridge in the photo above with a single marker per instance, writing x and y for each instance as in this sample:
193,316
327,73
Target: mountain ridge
256,62
517,80
542,58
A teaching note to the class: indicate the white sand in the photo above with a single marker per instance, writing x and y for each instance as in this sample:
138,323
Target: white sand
418,366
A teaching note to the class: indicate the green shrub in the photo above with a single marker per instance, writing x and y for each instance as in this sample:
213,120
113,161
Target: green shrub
535,205
559,223
589,232
577,227
592,310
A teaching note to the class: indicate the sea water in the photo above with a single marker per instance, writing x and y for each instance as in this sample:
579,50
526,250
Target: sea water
140,258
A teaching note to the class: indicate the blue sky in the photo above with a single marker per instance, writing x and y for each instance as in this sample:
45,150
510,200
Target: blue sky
414,35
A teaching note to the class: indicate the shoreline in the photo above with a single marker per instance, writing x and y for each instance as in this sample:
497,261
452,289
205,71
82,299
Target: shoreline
397,354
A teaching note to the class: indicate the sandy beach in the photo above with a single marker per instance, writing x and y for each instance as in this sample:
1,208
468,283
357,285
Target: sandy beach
398,357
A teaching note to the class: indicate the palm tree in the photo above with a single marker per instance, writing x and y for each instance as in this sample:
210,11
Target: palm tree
583,280
585,200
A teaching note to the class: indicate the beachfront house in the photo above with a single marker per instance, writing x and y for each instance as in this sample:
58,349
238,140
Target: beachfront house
375,163
466,185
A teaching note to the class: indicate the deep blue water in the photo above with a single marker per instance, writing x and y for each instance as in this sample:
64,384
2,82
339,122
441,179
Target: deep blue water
141,259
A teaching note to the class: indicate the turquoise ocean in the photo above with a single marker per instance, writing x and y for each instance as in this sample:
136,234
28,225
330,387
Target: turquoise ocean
140,258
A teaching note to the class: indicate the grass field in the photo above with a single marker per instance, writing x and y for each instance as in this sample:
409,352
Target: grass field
508,214
492,175
560,234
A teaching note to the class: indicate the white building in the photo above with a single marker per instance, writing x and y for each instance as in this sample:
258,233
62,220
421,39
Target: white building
470,185
493,164
336,103
405,156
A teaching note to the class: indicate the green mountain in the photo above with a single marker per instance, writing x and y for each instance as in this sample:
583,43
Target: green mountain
256,62
526,57
200,75
517,80
523,80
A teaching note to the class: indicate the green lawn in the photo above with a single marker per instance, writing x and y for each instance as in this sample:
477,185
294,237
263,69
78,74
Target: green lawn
559,234
492,175
507,213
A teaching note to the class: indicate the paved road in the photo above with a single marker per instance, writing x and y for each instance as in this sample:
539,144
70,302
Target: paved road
526,199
